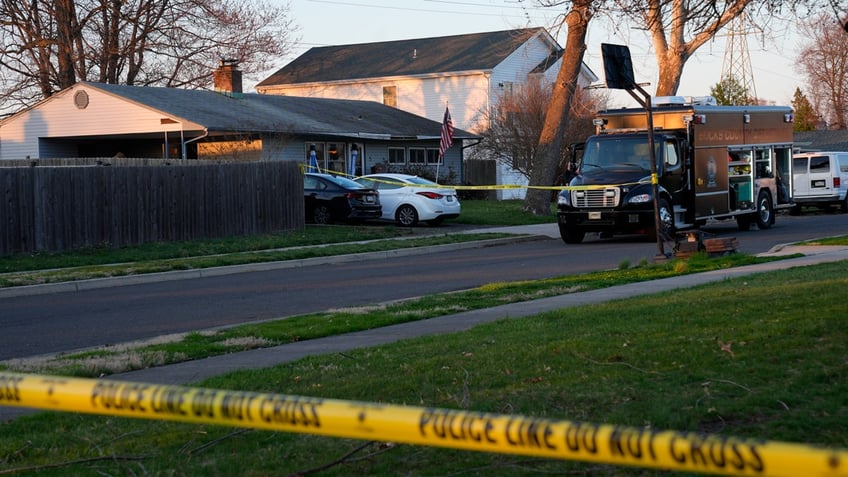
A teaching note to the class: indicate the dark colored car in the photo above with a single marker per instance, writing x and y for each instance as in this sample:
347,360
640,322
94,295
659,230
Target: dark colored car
330,198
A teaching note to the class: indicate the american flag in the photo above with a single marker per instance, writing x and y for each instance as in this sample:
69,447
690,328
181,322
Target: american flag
447,133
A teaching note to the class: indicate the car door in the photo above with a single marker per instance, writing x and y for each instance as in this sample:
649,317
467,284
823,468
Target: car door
820,177
319,192
310,193
391,193
800,176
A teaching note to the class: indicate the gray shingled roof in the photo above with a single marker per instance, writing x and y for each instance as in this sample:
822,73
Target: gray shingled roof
420,56
824,140
252,112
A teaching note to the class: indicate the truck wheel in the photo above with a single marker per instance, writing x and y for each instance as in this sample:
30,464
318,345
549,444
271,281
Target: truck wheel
667,228
765,211
571,234
845,204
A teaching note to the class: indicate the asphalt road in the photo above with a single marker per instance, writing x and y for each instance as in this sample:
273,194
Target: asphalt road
34,325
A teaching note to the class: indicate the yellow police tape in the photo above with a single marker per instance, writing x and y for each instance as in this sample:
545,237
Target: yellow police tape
477,431
488,187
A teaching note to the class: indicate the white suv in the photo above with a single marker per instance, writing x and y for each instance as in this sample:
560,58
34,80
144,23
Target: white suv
820,179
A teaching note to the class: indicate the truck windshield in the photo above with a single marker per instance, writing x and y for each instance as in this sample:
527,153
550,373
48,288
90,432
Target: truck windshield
614,152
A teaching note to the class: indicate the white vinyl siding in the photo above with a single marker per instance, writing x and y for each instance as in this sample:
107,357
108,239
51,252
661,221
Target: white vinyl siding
466,95
59,116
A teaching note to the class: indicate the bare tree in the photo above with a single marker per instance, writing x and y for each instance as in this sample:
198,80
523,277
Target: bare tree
677,29
516,123
48,45
824,61
840,11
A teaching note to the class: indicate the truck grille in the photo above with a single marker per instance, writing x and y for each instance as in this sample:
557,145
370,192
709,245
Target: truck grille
593,198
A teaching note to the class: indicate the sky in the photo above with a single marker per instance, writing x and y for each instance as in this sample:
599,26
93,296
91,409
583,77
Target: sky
344,22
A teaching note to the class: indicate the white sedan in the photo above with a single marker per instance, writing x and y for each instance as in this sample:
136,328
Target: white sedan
408,199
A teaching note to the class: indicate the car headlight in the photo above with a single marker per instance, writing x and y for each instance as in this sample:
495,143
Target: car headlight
639,199
564,198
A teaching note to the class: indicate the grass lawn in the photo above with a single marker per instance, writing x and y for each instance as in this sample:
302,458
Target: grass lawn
746,357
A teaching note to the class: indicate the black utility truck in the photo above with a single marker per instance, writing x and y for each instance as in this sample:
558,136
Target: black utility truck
712,162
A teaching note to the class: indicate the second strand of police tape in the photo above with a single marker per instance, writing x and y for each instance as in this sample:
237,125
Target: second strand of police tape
425,426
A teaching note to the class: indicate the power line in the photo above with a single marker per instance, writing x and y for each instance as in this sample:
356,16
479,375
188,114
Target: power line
481,10
474,4
423,10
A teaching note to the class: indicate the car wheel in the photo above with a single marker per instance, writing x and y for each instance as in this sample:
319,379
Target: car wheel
406,215
765,212
321,215
845,204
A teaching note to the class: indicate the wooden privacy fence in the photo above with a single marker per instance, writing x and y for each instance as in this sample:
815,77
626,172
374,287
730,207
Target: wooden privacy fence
56,205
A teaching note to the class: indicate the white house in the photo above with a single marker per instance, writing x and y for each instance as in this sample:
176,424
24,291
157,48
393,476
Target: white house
465,73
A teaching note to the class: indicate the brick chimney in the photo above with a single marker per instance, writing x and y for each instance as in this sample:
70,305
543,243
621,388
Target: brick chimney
228,78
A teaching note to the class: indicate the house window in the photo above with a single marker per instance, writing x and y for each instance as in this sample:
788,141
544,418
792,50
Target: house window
390,96
433,156
397,155
336,154
418,155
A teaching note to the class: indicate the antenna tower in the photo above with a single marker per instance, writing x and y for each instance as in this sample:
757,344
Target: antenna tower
737,57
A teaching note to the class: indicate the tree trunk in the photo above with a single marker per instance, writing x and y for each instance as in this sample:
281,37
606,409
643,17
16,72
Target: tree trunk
670,71
538,201
66,21
111,55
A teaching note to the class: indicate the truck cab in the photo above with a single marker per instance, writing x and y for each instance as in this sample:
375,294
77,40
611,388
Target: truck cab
612,191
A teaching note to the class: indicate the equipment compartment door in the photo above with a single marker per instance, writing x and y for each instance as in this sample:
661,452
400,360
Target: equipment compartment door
710,181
